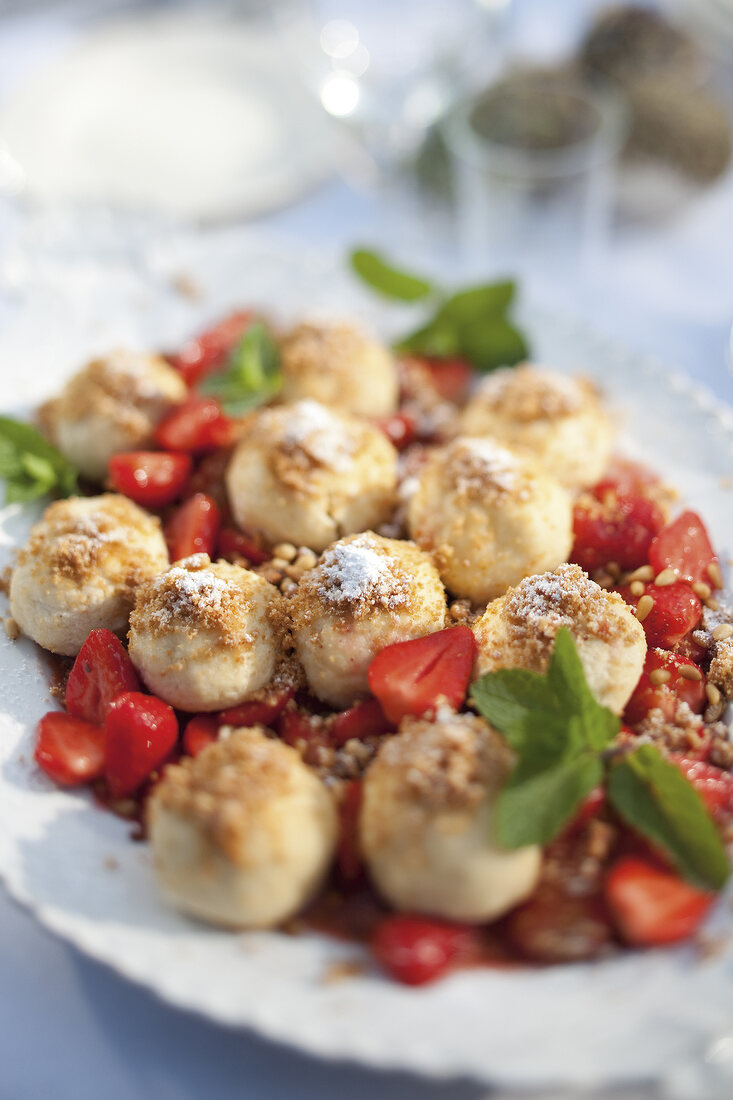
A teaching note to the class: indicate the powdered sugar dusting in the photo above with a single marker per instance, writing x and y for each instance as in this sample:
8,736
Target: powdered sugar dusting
199,590
482,461
356,572
313,429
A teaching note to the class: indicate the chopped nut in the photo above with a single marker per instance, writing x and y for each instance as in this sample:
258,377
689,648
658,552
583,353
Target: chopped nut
12,629
667,576
637,588
659,676
715,574
704,591
286,551
643,608
723,631
643,573
689,672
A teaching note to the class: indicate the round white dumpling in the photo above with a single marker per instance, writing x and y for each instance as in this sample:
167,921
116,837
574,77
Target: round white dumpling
556,419
81,567
340,366
519,629
244,833
112,405
489,516
365,593
207,636
427,821
305,474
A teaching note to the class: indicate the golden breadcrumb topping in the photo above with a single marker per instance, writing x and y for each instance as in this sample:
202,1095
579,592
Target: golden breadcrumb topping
481,470
226,786
447,762
529,393
539,606
125,386
360,575
311,349
75,542
195,595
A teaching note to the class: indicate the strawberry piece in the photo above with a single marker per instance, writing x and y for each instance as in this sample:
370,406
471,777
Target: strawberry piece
416,950
400,429
295,726
590,807
141,731
201,731
196,426
653,906
612,526
452,378
714,785
362,720
627,478
412,677
233,544
193,528
150,478
555,925
101,672
676,611
665,696
258,712
69,750
684,546
348,856
208,351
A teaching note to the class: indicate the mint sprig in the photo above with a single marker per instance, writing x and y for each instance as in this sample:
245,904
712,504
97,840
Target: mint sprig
656,800
252,375
472,323
562,735
30,465
388,280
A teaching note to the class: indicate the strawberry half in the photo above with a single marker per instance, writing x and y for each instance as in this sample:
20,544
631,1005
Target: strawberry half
141,731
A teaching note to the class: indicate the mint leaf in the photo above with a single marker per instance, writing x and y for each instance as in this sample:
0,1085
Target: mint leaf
493,342
476,303
523,706
656,800
388,280
534,810
30,465
252,375
566,677
438,338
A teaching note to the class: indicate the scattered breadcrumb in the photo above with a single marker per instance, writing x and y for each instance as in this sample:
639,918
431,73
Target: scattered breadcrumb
342,970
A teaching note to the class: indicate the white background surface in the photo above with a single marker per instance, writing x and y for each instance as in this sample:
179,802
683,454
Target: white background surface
70,1029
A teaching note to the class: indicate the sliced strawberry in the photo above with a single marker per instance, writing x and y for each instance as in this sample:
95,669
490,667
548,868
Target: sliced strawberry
652,906
202,730
668,695
609,526
196,426
400,429
295,726
150,478
684,546
69,750
413,677
452,378
141,731
101,672
416,950
675,611
348,856
713,784
234,544
193,528
208,351
362,720
258,712
627,478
